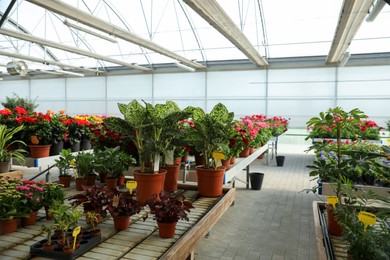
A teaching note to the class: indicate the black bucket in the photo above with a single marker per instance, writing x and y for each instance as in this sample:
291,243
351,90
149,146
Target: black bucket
256,180
279,161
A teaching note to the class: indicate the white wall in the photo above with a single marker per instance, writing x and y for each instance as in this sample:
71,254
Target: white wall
295,93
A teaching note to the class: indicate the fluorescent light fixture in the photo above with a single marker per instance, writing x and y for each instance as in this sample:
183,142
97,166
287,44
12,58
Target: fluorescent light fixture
376,9
90,32
70,73
184,67
44,61
351,18
345,59
214,14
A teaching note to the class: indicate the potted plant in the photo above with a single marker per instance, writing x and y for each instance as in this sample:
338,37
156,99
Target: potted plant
93,219
167,209
6,151
37,132
121,207
83,165
53,194
32,194
76,128
112,162
58,132
48,229
144,126
65,218
210,137
10,202
94,198
63,163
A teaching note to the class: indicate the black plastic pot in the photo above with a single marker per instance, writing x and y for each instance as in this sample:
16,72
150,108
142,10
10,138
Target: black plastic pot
280,161
256,179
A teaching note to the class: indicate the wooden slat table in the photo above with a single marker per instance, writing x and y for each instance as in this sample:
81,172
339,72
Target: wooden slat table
140,240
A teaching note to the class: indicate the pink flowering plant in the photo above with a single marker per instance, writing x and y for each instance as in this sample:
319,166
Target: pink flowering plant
10,200
32,194
277,125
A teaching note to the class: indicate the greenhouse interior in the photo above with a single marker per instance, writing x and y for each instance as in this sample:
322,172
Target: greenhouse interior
194,129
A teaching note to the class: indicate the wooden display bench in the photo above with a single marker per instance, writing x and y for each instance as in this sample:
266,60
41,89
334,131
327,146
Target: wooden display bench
16,175
141,239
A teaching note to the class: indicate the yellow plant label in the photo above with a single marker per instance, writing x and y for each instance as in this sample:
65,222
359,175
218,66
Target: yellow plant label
76,231
366,218
131,185
218,155
332,200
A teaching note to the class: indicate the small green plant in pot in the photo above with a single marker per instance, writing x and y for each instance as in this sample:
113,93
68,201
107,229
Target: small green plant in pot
112,162
53,194
63,163
83,165
6,151
210,137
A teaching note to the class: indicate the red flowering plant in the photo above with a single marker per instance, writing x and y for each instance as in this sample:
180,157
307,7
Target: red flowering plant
38,128
102,137
368,130
32,193
277,125
76,128
57,126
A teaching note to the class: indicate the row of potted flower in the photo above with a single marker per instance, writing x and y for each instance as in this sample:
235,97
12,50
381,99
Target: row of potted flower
22,199
358,161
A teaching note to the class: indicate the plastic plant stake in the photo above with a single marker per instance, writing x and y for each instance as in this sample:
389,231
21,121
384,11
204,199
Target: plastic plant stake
332,200
131,185
366,218
218,156
76,231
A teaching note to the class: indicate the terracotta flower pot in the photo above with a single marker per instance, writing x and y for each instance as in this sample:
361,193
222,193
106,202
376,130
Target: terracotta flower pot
226,164
148,184
121,180
9,226
121,222
65,180
210,181
31,220
48,215
166,230
91,178
178,160
251,150
80,182
171,177
245,152
333,226
111,183
39,151
232,160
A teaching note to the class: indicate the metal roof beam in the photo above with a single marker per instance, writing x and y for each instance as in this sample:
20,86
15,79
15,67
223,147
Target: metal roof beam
214,14
68,48
352,15
80,16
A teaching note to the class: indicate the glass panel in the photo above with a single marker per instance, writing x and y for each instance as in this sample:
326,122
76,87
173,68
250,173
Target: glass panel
301,89
240,107
302,75
179,85
364,89
291,108
375,107
20,87
129,87
48,89
54,105
86,107
86,88
236,84
364,73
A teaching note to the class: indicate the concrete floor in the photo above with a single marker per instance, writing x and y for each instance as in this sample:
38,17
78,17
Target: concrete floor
275,222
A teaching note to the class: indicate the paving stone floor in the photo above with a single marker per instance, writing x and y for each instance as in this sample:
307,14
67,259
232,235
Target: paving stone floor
275,222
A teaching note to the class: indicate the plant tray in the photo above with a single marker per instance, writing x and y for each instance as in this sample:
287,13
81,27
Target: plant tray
86,244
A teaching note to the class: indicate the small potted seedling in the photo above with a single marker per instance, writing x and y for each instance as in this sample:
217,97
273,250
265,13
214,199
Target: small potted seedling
48,229
93,220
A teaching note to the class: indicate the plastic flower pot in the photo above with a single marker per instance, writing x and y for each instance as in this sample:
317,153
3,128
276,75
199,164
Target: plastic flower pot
256,179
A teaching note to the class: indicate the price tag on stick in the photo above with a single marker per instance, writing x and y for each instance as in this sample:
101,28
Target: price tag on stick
131,185
366,218
332,200
76,231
